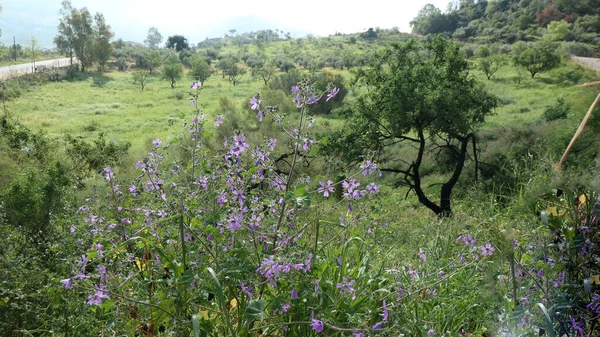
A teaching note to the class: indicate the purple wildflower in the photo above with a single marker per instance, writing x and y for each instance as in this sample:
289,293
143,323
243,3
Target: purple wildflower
157,142
326,188
294,294
378,325
594,304
67,283
97,297
295,89
430,333
271,143
372,188
218,121
487,250
108,173
316,324
560,280
368,167
254,222
332,94
133,190
422,256
196,85
385,313
247,290
278,183
255,103
576,326
346,287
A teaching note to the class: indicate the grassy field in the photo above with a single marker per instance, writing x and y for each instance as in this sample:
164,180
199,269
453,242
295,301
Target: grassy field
112,104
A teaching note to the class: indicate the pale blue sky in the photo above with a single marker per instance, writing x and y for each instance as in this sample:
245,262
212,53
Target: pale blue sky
199,19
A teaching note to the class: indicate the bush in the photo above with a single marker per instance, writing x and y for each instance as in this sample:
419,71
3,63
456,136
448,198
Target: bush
558,110
122,63
179,95
578,49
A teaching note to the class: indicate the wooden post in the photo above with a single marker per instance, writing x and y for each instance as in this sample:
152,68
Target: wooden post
581,126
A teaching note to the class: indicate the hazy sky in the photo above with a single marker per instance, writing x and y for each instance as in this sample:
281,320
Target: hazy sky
198,19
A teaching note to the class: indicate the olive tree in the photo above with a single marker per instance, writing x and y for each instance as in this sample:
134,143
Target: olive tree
420,101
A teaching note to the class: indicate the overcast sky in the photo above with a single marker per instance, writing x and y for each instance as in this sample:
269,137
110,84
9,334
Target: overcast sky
198,19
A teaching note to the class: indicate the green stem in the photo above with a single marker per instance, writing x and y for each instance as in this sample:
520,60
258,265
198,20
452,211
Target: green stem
182,238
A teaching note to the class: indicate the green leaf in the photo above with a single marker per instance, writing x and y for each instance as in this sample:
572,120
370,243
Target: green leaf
187,277
107,305
255,310
548,320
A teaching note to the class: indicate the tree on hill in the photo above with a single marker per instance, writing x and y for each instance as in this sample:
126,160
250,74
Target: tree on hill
421,96
200,69
177,42
509,20
151,59
541,56
430,20
172,70
154,38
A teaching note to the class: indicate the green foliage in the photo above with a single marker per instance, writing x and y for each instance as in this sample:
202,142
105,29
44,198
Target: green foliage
200,68
558,110
177,42
102,45
491,64
141,77
541,56
154,38
92,157
430,20
151,59
558,30
511,21
86,36
417,95
264,72
172,70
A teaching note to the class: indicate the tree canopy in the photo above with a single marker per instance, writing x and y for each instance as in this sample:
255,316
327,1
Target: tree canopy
512,20
422,95
154,38
84,35
177,42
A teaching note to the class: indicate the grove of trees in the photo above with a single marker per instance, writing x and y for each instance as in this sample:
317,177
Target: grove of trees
86,37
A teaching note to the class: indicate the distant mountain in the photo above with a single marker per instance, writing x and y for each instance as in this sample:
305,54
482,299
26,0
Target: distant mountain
247,24
23,18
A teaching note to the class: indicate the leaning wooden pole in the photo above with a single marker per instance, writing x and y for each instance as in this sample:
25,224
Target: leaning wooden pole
581,126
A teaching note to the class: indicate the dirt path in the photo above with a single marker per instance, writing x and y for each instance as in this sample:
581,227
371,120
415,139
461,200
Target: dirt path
27,68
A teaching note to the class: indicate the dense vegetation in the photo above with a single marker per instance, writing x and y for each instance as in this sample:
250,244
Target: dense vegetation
510,21
373,184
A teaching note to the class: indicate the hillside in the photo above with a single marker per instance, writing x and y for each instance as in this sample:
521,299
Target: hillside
509,21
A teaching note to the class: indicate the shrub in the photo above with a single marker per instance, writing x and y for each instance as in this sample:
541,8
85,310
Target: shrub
578,49
558,110
179,95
